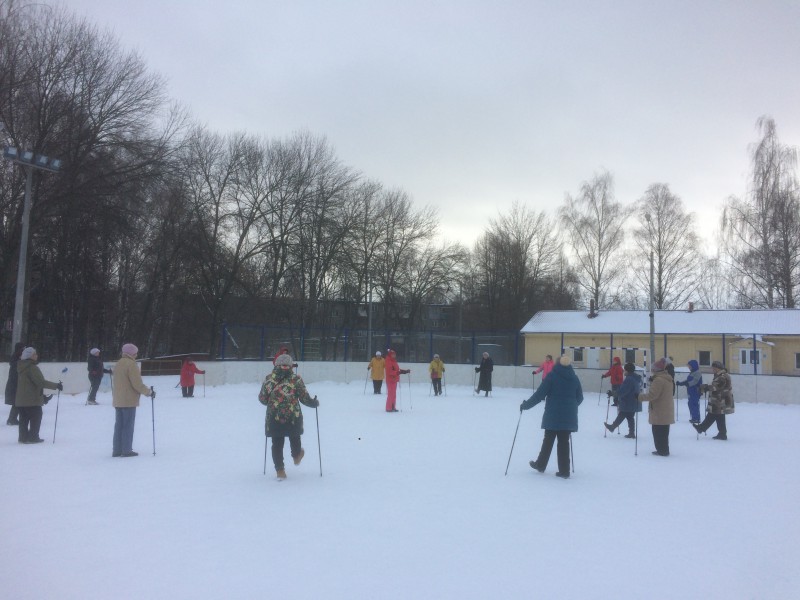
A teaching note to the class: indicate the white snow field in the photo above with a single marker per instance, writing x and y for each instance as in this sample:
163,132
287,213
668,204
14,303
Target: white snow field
410,505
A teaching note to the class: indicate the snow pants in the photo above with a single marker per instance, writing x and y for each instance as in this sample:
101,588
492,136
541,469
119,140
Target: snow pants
277,449
377,384
437,385
661,439
694,409
722,427
30,420
391,395
187,391
94,383
562,451
621,416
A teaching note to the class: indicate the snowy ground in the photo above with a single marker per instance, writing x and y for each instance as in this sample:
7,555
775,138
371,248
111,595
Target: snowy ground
410,505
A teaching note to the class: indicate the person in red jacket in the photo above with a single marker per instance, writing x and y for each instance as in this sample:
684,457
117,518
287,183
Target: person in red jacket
188,369
393,372
545,367
617,375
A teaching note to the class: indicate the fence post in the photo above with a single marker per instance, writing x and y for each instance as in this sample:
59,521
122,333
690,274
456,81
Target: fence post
346,339
262,342
222,341
430,344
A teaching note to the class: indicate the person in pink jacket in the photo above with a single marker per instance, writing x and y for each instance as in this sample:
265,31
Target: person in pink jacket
545,367
393,372
188,369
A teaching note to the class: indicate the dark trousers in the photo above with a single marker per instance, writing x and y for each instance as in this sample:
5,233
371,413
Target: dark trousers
123,430
277,449
437,386
377,384
187,391
95,385
709,421
13,415
621,416
661,439
30,420
562,451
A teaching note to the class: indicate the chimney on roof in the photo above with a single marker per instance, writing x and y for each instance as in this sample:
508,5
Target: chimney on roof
691,307
592,312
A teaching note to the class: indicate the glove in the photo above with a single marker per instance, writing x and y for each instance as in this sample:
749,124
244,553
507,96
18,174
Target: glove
153,394
609,393
46,398
603,376
314,402
295,365
107,371
60,386
477,369
522,406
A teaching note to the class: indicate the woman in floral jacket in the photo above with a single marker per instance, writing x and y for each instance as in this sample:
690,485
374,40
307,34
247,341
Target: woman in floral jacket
282,393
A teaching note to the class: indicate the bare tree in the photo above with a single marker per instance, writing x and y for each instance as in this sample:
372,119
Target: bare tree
593,225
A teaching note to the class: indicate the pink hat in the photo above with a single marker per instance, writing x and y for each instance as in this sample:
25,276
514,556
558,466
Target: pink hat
130,349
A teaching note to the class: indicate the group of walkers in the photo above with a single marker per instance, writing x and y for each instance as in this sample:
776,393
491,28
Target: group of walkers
561,391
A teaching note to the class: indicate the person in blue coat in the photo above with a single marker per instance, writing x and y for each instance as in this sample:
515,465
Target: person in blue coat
627,397
562,393
693,383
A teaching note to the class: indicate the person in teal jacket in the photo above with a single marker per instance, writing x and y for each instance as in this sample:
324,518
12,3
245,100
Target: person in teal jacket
561,390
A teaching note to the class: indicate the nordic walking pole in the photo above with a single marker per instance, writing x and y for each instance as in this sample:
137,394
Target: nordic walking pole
410,397
600,393
474,375
56,425
444,382
608,408
153,416
572,452
366,379
266,439
319,446
514,441
204,385
636,445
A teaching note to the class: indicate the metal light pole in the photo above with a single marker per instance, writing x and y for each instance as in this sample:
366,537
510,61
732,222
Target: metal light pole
369,318
28,161
651,304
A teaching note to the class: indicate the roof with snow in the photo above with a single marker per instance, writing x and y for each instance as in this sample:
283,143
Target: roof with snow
736,322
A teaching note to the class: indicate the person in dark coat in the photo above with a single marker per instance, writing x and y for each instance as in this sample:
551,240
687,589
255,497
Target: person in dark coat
11,384
30,397
96,369
561,390
693,383
282,393
485,379
629,405
720,404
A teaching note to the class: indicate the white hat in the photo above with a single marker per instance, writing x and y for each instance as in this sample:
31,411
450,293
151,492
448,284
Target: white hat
435,356
378,353
95,351
28,353
284,360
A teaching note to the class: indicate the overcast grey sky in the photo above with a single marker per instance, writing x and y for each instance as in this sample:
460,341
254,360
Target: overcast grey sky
471,105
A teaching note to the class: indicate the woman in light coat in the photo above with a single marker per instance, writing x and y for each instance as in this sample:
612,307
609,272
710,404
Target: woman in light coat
128,387
661,410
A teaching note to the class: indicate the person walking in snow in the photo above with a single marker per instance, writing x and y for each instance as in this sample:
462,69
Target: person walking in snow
282,393
616,374
125,392
485,378
94,365
11,384
393,372
30,398
721,402
377,370
661,410
561,390
545,367
436,369
693,383
629,405
188,369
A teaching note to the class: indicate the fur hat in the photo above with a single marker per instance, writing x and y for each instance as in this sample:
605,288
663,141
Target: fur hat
717,365
284,360
95,351
28,353
660,364
130,349
565,360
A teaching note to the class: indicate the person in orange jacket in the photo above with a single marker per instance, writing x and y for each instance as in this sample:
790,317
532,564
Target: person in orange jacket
617,375
393,372
188,369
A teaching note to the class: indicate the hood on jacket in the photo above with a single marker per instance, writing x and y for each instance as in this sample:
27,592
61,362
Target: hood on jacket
693,366
617,360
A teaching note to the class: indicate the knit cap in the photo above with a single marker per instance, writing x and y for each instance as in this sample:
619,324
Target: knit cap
28,353
284,360
130,349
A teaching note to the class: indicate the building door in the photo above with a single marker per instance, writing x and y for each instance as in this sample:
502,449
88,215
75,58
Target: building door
592,358
746,360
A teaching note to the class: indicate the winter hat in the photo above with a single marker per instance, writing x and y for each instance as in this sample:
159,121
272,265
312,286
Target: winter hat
378,353
95,351
565,360
130,349
660,364
714,365
28,353
617,360
284,360
435,356
630,368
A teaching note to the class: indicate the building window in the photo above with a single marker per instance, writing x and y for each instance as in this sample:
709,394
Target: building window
630,355
704,358
797,360
753,357
577,355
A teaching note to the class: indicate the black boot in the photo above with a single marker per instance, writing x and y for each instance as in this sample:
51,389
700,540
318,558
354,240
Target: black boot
535,465
609,427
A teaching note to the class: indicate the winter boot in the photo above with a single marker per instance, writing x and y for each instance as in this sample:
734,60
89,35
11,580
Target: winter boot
92,402
563,475
721,436
535,465
631,436
697,428
299,457
609,427
281,474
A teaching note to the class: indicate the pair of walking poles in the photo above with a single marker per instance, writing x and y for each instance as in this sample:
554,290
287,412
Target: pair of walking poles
514,441
319,446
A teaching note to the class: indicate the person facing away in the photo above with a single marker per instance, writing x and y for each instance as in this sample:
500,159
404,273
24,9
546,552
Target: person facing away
188,369
282,393
617,375
393,372
485,378
125,392
545,367
30,396
693,383
436,369
94,365
377,369
627,400
661,410
561,390
720,404
11,384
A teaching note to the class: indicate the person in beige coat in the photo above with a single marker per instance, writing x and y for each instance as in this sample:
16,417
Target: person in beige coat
661,410
30,398
128,387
